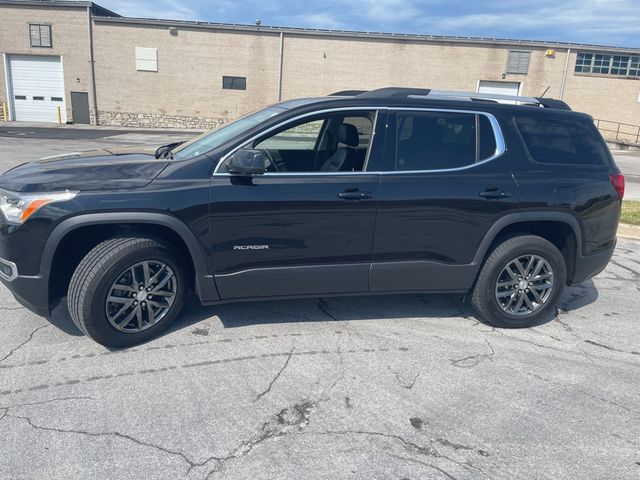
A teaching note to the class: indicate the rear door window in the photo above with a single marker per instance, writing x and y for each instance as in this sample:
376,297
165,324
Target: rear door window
442,140
563,141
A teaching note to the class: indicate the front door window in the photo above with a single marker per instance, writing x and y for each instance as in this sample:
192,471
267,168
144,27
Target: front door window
328,143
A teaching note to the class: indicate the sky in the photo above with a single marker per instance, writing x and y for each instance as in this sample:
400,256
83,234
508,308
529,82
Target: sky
604,22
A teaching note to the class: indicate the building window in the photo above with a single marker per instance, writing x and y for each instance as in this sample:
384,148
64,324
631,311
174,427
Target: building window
40,35
147,59
518,61
234,83
607,64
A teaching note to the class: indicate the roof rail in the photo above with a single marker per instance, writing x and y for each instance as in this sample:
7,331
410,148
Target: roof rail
347,93
393,92
553,103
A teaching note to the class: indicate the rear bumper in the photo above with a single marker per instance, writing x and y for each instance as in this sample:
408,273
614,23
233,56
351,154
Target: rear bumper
589,266
30,292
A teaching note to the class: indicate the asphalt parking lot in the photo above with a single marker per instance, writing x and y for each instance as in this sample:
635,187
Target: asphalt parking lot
390,387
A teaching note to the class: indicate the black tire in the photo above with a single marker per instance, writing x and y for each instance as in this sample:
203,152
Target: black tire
96,273
483,296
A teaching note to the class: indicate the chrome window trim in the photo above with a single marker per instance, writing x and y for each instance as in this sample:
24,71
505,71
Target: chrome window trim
293,120
501,147
497,133
14,270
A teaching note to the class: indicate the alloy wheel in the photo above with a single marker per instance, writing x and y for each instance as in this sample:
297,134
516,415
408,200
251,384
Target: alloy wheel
141,296
524,285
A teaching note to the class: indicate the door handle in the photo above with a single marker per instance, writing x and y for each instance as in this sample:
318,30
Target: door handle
495,193
354,194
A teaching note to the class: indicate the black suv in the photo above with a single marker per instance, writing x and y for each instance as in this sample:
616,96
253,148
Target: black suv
388,191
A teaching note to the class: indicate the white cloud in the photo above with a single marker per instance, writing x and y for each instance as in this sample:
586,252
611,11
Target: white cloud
168,9
614,22
317,20
593,21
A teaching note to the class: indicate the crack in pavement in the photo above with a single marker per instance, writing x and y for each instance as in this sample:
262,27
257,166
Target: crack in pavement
565,325
536,344
151,348
298,416
456,446
610,402
6,409
473,360
343,370
276,377
613,349
634,273
116,434
620,437
412,447
204,363
569,386
282,424
405,382
561,311
426,464
44,402
12,309
29,338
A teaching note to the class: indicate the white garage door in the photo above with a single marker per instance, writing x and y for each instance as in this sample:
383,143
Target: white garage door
37,88
500,88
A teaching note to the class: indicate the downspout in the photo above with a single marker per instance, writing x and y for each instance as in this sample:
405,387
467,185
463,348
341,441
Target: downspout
564,74
92,69
280,65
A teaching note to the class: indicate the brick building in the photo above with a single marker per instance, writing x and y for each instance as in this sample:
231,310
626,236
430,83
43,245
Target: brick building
167,73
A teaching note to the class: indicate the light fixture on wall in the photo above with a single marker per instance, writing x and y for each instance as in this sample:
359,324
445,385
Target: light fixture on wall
173,31
550,53
504,75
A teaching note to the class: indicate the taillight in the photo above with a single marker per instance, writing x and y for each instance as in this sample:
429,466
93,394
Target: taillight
617,180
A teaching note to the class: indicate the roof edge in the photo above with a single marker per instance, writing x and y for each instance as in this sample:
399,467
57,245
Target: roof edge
97,10
102,14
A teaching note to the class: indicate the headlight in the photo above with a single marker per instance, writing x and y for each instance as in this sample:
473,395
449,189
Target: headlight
17,207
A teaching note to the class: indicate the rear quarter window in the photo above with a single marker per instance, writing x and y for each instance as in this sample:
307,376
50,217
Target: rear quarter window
563,141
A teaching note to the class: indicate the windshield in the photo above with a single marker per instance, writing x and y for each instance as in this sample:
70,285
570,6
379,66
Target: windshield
210,140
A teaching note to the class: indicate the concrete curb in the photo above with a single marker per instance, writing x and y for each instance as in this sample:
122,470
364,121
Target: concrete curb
629,231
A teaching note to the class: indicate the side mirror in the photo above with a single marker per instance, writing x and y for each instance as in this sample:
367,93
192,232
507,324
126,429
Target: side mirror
247,161
165,150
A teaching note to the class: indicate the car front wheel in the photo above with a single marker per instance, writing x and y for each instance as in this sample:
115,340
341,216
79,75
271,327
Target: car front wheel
126,291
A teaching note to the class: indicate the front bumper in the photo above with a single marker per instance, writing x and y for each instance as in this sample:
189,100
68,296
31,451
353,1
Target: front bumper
20,257
30,292
8,270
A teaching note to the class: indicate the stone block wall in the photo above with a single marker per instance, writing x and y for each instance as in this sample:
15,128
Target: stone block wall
152,120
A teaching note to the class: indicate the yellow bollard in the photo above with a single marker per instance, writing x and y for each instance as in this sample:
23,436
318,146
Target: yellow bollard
59,114
5,112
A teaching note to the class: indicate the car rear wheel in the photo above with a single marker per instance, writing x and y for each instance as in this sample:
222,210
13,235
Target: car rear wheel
126,291
520,282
